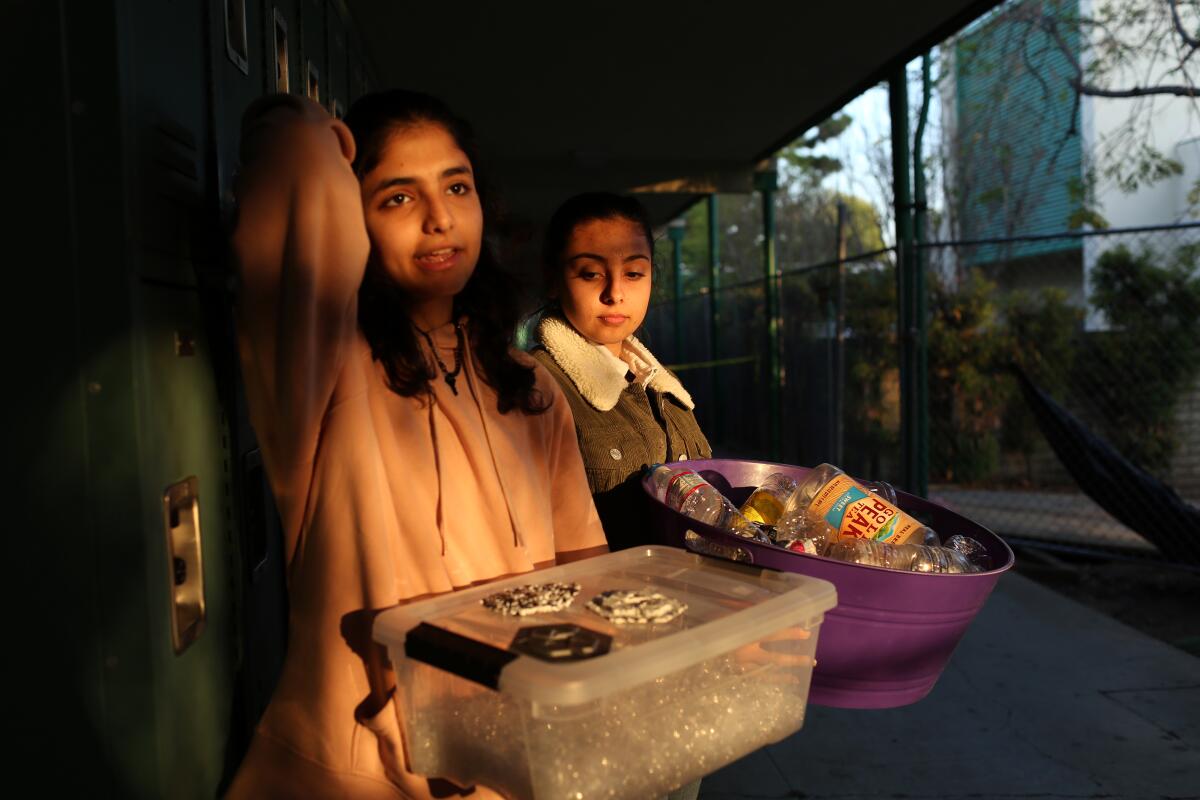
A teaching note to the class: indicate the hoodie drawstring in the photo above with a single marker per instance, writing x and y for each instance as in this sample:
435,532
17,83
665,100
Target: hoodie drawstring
437,466
469,370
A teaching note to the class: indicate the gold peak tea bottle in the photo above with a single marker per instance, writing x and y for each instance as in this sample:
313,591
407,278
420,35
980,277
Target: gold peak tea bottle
855,512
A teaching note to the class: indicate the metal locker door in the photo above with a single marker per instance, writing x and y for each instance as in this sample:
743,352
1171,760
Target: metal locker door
242,68
187,521
283,46
338,63
316,71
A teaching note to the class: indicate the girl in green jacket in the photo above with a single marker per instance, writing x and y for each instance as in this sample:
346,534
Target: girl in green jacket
629,410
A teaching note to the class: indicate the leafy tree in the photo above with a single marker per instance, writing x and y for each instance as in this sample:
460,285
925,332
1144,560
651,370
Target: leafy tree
800,168
966,401
1135,373
872,391
807,228
1045,56
805,214
1042,329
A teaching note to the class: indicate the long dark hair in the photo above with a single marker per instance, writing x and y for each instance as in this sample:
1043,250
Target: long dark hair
490,297
583,208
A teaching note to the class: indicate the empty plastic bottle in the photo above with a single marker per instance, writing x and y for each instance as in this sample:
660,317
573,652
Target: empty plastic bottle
691,495
766,504
907,557
972,550
855,511
804,531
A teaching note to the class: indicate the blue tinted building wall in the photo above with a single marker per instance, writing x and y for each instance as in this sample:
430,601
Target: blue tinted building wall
1018,158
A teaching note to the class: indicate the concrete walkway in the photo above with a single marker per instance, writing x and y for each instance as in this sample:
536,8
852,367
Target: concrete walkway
1044,698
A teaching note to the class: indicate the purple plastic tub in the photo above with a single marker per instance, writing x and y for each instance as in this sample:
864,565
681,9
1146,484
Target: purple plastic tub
888,639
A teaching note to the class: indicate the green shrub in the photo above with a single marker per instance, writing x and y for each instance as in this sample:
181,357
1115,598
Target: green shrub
966,401
1042,330
1136,371
872,392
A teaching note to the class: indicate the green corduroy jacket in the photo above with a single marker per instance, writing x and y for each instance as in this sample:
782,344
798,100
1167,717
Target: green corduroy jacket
622,428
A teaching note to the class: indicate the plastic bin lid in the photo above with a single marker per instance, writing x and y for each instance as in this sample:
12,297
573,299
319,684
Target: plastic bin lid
728,606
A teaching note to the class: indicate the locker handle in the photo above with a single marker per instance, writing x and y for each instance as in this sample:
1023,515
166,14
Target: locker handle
185,565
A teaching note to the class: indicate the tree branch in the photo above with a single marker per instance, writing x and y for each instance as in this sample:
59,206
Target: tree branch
1191,41
1050,26
1136,91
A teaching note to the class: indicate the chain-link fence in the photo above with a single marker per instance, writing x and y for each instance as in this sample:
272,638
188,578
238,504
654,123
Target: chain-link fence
852,420
1107,324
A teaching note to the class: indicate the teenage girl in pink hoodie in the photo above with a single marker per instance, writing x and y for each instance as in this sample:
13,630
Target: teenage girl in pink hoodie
410,449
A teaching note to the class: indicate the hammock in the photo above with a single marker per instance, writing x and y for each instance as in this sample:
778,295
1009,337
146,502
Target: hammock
1133,496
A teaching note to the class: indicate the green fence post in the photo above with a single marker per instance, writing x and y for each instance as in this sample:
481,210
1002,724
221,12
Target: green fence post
920,320
838,428
905,295
767,183
676,229
714,330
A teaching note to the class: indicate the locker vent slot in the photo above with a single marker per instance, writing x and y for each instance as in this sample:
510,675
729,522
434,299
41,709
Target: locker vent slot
281,52
314,84
236,46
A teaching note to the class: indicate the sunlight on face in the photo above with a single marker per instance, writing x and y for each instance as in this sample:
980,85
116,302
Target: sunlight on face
606,280
423,214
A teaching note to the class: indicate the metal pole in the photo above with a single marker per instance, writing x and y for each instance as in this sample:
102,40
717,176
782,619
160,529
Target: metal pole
839,359
714,329
920,320
905,324
767,183
677,228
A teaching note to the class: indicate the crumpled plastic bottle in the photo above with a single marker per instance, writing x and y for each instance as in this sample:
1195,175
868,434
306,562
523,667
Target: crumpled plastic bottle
907,557
766,504
686,492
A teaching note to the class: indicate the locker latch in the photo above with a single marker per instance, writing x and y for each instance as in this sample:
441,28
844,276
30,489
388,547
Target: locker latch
185,567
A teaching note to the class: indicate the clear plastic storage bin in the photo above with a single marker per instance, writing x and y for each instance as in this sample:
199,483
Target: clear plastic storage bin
569,705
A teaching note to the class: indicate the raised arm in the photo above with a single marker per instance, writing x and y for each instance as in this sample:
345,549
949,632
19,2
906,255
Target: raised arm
301,248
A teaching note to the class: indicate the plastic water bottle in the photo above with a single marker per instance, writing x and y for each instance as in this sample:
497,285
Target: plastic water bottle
906,557
689,494
857,510
803,531
766,504
971,550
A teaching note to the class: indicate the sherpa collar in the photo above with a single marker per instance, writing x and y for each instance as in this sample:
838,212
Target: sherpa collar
592,372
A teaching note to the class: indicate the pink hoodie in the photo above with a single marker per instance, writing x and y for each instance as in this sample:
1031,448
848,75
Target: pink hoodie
383,498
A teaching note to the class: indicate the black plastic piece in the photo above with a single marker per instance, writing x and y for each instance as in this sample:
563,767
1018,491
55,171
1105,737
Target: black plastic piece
561,642
457,654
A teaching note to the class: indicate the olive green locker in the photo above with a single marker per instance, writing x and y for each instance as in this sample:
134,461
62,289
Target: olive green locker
313,50
281,41
337,79
250,41
145,569
127,501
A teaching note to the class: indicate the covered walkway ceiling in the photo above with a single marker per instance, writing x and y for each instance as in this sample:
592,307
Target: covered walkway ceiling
680,96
